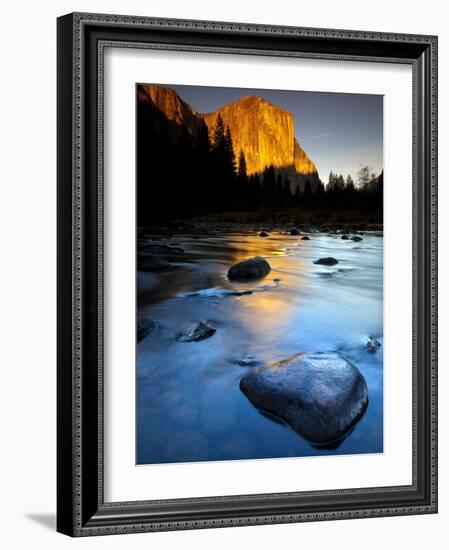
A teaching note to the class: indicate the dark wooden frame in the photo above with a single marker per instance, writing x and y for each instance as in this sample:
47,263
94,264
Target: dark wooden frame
81,509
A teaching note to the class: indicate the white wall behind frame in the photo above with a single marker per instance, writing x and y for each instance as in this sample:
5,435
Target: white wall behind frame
27,292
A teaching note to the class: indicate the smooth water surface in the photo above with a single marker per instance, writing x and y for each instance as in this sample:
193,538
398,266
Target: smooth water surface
189,404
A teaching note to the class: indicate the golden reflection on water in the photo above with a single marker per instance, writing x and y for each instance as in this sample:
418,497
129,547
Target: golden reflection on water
271,310
271,304
247,246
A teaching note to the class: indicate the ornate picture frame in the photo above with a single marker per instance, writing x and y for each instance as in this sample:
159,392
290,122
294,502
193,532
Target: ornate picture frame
81,507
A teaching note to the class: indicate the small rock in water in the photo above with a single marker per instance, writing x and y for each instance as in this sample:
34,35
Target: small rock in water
345,237
294,231
199,331
253,268
372,345
305,238
356,239
144,327
277,280
326,261
320,395
263,234
248,361
243,293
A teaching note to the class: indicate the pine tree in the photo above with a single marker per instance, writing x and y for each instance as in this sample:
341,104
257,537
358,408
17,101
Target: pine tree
244,189
230,155
223,166
269,190
219,144
332,182
349,183
203,142
242,170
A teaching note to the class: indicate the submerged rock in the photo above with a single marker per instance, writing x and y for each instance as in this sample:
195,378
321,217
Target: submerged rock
305,238
197,332
253,268
372,345
145,327
263,234
356,238
320,395
326,261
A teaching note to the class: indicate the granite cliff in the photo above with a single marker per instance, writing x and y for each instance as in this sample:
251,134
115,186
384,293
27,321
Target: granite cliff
266,135
264,132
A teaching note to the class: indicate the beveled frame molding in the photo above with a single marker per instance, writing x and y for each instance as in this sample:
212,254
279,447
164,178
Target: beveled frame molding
81,42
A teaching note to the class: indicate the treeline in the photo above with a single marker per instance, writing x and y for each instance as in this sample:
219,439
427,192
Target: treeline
344,194
182,174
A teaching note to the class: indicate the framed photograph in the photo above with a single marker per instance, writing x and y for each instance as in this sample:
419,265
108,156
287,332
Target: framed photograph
247,279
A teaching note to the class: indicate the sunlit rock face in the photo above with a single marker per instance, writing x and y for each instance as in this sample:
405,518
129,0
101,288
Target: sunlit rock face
266,135
264,132
169,102
303,165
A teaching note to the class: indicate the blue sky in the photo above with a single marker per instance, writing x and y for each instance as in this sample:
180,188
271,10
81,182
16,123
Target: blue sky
339,132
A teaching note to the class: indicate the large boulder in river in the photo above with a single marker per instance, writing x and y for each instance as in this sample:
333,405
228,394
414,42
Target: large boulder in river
253,268
326,261
320,395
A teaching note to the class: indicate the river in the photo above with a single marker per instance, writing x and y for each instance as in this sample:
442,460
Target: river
189,404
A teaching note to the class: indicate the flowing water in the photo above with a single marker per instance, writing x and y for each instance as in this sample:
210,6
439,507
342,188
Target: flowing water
189,404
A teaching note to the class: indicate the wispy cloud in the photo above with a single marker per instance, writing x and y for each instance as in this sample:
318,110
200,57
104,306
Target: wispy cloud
321,136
